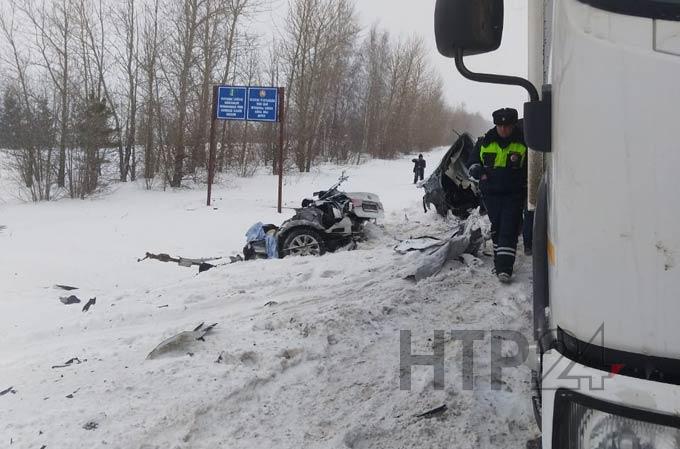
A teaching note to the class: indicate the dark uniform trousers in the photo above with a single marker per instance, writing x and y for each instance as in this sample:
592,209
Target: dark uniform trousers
505,214
418,169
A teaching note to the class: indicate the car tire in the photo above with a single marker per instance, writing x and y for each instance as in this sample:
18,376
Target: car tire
304,242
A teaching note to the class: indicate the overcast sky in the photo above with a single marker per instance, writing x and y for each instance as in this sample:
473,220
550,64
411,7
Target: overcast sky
408,17
417,16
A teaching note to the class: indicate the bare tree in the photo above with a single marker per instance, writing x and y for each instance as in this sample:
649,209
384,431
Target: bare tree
208,57
149,66
318,33
96,44
272,75
8,27
375,57
53,34
129,28
188,16
27,120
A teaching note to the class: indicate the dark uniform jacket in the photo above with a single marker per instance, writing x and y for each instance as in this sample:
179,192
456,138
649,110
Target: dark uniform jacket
504,162
419,165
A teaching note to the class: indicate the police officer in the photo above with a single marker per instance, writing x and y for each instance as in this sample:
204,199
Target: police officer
418,168
499,163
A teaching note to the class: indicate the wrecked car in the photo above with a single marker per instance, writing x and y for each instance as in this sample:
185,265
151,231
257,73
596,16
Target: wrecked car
332,219
449,187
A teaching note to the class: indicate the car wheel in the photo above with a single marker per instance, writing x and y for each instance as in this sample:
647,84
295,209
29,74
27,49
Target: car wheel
303,242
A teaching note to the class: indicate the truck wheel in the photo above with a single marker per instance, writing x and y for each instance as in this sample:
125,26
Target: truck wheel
303,242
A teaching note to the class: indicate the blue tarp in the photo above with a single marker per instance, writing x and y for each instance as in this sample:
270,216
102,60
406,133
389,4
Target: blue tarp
256,232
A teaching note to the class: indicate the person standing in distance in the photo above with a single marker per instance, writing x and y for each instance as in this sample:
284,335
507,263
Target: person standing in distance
499,163
418,168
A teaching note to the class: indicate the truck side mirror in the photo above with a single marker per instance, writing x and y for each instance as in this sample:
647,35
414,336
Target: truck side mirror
473,26
470,27
538,122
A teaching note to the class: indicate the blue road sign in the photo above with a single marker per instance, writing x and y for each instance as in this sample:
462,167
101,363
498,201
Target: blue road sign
263,104
231,103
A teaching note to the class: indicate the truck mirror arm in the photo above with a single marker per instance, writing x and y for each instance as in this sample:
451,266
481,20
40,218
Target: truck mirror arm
493,78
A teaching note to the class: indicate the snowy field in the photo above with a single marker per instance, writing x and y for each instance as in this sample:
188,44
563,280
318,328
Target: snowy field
305,353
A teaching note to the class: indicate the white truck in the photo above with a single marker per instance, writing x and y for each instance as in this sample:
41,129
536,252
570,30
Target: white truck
607,226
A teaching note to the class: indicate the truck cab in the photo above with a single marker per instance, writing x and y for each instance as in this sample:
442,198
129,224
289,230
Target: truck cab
607,231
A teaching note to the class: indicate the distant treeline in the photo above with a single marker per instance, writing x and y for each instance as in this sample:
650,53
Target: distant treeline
82,77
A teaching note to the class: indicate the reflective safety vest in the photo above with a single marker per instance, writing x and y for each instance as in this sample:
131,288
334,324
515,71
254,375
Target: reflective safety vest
513,156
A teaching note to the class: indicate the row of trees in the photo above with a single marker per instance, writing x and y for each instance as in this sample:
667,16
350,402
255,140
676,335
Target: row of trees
124,87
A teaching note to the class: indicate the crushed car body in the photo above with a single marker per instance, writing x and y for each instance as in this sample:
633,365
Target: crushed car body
449,188
330,220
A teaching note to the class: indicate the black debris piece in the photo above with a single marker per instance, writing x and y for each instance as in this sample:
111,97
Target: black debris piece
70,396
70,362
9,390
433,412
163,306
220,358
89,304
203,263
271,303
203,330
90,425
68,288
43,447
205,266
68,300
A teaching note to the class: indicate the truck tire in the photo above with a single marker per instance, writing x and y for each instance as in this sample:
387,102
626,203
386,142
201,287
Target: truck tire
303,242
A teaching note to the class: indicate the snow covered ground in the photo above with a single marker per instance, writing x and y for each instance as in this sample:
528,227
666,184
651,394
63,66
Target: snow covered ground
305,353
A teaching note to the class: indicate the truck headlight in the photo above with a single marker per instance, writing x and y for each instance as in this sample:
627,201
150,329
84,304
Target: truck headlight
582,422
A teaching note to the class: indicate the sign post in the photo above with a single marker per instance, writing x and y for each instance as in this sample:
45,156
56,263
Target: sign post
282,94
211,157
246,103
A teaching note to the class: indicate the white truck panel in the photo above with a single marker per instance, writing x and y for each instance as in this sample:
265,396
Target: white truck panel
615,182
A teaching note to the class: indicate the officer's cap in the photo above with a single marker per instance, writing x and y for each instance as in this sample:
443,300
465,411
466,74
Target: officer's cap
505,116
